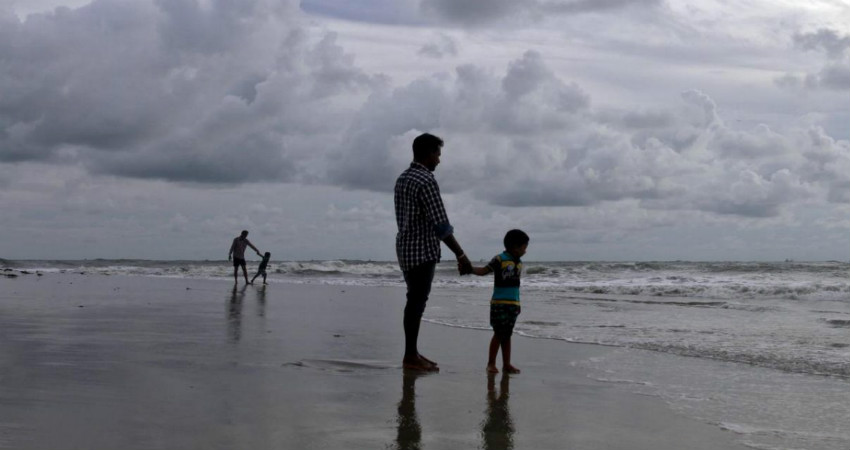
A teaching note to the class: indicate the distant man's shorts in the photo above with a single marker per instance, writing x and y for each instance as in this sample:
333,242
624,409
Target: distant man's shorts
237,262
503,319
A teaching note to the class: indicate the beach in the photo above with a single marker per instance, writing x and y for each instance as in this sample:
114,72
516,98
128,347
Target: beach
103,362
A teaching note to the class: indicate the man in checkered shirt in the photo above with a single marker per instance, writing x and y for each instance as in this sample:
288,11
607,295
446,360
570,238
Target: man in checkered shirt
422,224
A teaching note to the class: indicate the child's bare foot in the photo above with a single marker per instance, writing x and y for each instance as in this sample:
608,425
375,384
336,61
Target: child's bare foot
491,368
510,369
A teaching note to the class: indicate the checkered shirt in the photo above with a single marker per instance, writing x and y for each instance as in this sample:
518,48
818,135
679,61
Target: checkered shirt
421,217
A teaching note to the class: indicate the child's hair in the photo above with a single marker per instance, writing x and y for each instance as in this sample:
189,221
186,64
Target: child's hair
268,254
515,238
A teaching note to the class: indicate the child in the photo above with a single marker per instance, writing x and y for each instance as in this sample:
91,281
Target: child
504,304
262,269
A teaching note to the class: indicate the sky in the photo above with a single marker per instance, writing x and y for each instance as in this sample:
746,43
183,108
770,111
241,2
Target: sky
618,130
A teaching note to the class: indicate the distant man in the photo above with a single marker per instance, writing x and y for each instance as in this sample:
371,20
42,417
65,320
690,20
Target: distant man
237,251
422,224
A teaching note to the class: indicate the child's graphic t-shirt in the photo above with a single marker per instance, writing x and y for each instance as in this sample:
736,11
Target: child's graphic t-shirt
507,270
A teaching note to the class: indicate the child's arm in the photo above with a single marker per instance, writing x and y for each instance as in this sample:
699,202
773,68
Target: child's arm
481,271
486,270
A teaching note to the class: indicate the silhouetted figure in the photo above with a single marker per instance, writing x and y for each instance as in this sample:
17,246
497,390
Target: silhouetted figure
237,251
504,304
262,269
422,224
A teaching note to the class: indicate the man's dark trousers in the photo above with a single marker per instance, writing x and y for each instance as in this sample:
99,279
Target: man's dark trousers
418,281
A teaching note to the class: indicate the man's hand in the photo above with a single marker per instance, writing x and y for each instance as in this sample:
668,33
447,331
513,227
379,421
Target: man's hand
228,257
464,267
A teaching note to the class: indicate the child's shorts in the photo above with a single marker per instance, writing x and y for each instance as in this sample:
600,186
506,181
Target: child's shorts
503,318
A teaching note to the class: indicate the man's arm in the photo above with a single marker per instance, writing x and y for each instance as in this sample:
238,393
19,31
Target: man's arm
231,249
464,265
252,246
436,211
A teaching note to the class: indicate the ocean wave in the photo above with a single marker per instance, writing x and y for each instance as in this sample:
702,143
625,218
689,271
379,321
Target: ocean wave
720,281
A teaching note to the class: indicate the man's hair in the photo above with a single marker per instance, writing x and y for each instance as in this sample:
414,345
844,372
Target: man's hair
425,144
244,233
515,238
268,254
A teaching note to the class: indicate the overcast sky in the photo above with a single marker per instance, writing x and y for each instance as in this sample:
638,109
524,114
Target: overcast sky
606,129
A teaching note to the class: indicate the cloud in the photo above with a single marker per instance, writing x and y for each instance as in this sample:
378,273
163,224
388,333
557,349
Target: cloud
478,12
372,11
442,45
217,92
234,92
835,45
539,133
835,74
834,77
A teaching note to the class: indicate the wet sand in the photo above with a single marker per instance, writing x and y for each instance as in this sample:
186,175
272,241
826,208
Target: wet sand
109,362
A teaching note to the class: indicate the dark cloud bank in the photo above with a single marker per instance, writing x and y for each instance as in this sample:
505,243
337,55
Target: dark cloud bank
234,92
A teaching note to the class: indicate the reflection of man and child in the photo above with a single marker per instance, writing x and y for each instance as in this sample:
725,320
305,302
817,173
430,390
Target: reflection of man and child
422,225
497,428
234,309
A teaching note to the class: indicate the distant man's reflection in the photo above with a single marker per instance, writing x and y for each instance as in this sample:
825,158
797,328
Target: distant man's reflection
497,429
409,435
261,301
234,313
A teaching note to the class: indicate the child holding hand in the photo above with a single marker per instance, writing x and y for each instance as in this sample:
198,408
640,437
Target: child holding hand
504,304
262,269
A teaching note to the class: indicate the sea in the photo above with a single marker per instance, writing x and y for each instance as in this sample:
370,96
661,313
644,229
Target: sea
761,349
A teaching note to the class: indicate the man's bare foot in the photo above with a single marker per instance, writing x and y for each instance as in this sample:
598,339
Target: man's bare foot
428,360
491,368
419,364
510,369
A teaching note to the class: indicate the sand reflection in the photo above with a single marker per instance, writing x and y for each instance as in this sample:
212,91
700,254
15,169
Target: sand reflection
234,313
409,435
261,300
497,429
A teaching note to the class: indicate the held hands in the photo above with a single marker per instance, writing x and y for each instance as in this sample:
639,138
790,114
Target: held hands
464,267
